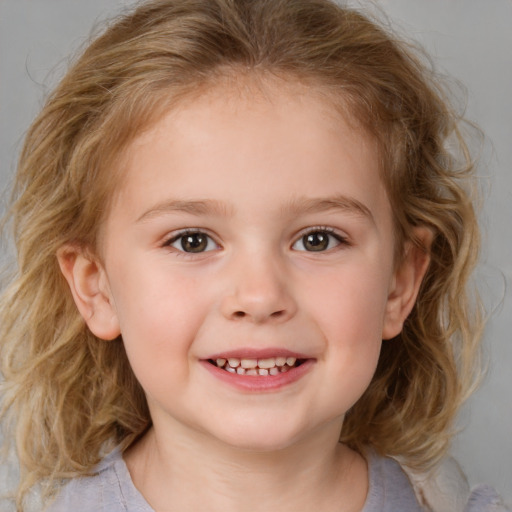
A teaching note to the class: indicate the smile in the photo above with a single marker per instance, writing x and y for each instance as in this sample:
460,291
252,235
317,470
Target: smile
269,366
259,371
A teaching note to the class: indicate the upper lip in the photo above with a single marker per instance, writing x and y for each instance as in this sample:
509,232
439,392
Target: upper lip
257,353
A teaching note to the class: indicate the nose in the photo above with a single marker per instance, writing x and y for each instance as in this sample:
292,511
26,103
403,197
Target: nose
259,291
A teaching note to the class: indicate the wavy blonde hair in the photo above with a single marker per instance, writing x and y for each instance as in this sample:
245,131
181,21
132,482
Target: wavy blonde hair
67,396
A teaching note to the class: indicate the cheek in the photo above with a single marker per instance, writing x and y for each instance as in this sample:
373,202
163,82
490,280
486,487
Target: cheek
352,303
350,316
159,320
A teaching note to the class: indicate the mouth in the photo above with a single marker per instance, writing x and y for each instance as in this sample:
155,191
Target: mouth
262,367
259,371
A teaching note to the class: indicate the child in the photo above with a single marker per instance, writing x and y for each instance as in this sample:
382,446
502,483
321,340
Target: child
243,250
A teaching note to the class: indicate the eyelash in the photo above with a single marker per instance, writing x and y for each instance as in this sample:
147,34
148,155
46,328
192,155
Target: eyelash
340,239
317,230
188,232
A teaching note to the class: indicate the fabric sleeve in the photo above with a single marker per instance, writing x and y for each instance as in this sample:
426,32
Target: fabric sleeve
485,499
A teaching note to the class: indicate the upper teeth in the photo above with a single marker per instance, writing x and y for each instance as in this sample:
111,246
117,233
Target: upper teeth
249,364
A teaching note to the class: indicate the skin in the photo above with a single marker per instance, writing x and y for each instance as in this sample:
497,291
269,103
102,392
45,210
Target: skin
255,173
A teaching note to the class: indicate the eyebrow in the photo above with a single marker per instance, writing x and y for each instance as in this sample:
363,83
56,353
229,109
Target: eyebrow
204,207
294,207
324,204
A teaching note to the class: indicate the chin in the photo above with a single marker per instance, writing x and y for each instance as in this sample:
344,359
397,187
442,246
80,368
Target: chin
259,438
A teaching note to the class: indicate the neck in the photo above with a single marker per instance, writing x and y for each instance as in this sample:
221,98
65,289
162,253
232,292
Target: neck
178,473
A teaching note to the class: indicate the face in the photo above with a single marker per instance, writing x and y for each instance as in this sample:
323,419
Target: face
247,262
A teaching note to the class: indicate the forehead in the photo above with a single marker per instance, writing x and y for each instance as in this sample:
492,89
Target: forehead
239,134
251,92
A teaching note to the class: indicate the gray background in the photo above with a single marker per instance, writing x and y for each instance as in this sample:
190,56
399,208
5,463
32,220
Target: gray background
470,39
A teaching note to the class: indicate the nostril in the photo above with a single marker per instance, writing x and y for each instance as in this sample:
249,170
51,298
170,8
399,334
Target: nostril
275,314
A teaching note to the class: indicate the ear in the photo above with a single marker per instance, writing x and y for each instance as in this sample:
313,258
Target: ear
406,282
89,286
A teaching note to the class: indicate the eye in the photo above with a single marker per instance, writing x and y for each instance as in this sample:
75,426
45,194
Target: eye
318,240
192,242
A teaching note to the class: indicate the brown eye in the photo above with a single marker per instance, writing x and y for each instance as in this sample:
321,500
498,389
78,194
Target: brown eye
317,241
195,242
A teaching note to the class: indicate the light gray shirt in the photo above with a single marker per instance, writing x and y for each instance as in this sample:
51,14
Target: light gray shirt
111,489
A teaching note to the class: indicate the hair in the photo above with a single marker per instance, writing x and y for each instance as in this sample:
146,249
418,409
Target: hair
69,397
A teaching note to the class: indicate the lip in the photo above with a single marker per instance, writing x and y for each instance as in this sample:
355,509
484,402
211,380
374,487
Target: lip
251,353
259,383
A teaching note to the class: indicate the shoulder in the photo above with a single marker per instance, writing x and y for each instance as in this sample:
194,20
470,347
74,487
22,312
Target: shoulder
395,488
485,499
108,489
446,488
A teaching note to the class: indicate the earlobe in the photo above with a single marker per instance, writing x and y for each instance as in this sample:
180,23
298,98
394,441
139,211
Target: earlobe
88,283
406,283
